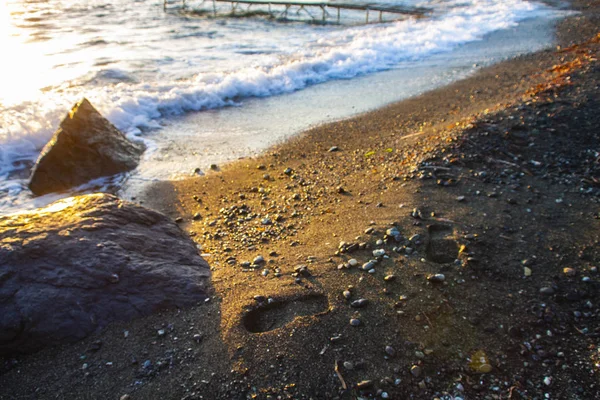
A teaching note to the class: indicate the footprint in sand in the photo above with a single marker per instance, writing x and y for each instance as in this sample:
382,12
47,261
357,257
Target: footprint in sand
268,317
442,247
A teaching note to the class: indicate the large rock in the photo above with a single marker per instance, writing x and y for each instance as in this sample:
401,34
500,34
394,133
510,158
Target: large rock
69,269
85,146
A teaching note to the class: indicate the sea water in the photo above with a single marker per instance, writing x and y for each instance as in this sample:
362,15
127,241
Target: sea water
199,89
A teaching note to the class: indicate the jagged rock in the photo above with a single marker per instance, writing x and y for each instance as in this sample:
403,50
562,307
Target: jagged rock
84,147
71,268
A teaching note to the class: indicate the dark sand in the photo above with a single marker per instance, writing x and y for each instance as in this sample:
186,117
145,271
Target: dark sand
499,171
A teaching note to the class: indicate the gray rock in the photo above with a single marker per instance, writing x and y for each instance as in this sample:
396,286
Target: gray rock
57,268
85,146
354,321
369,265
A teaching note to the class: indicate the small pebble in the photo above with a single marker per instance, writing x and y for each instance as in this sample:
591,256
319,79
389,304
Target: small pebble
437,278
390,351
354,321
547,290
416,371
368,266
378,252
360,303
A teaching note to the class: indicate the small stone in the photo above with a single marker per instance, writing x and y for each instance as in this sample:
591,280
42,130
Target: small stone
480,363
360,303
437,278
569,271
378,252
178,220
347,294
354,321
197,338
389,278
352,262
258,260
125,397
214,167
368,266
393,232
416,371
547,290
460,198
161,332
197,216
340,190
385,395
548,380
390,351
349,365
260,299
527,271
419,354
333,148
302,270
288,171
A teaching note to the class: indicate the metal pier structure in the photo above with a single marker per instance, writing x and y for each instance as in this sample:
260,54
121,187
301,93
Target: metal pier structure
304,5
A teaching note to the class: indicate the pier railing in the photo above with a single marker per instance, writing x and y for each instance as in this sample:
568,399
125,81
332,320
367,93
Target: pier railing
288,6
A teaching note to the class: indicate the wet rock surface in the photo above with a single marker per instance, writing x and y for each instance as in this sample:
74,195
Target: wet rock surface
85,146
73,267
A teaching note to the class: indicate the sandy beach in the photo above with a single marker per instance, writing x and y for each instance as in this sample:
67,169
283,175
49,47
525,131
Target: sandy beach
446,246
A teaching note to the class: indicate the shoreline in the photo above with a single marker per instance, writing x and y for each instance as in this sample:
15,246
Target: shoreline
457,166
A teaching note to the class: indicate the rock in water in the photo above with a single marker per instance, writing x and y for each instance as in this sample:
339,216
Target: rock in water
71,268
85,146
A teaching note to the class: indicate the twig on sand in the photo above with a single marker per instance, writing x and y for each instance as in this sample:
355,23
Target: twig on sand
428,320
435,167
336,368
